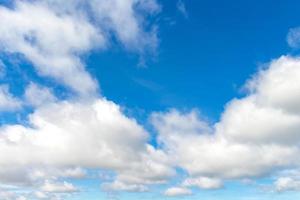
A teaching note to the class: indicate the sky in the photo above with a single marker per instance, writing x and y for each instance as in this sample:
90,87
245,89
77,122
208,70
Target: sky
149,99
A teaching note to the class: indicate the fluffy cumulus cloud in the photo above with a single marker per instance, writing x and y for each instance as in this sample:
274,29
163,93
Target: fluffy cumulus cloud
65,138
92,135
55,128
256,135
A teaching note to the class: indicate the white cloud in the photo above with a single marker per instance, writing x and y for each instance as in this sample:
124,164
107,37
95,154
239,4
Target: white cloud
7,101
293,37
73,173
37,95
8,195
203,183
48,173
241,145
177,191
61,139
277,87
54,34
121,186
53,187
153,168
40,195
242,115
21,198
121,17
59,131
283,184
256,134
93,134
50,42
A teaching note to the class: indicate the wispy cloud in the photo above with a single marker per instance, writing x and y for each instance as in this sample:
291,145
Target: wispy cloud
182,8
293,37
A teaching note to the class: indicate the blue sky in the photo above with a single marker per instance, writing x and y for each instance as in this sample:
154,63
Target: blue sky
216,48
146,99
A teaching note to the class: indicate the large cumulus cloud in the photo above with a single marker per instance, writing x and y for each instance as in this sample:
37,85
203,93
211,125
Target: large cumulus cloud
256,135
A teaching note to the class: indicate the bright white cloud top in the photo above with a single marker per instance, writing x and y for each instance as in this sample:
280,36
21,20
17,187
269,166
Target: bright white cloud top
53,34
257,135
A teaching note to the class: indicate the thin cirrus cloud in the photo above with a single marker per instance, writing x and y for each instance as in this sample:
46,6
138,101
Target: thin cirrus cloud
256,135
182,8
293,38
